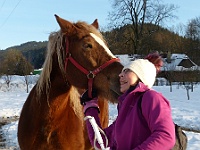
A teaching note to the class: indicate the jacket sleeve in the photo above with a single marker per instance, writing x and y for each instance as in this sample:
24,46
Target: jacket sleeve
157,112
108,131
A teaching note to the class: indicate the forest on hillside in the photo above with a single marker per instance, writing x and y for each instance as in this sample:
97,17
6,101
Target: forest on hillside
163,41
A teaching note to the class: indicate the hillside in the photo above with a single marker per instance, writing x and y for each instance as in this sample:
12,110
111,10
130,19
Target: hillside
162,41
33,51
32,45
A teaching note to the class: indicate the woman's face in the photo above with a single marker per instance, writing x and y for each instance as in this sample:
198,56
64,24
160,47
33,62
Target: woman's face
127,78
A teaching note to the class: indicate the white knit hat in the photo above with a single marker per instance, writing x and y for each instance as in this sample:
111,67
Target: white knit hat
144,69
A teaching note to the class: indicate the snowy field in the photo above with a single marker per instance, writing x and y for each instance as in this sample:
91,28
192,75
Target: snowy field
185,112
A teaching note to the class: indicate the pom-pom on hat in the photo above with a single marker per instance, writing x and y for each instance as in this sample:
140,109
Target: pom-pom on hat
144,69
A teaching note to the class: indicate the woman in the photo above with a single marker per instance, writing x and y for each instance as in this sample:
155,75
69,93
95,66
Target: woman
129,131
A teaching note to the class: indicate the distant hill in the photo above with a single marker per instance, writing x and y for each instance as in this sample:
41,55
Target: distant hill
32,45
33,51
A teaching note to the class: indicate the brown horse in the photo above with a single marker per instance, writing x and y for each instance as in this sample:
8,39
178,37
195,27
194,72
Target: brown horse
77,58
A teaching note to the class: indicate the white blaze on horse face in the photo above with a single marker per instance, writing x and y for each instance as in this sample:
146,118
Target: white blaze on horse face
102,44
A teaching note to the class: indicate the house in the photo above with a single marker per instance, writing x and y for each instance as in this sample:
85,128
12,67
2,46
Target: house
179,68
179,62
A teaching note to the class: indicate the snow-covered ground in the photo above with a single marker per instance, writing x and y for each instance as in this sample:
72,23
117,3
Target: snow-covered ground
185,112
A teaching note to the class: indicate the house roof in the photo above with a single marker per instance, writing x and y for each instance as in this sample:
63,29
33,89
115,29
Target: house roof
179,62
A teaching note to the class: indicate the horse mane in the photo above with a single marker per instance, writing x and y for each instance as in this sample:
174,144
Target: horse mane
54,45
75,103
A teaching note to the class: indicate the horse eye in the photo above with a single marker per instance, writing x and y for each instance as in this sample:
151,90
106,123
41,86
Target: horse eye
88,45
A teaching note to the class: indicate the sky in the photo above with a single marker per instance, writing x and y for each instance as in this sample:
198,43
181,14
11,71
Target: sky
184,112
22,21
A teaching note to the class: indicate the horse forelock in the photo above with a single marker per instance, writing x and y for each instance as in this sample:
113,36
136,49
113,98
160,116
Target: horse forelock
54,46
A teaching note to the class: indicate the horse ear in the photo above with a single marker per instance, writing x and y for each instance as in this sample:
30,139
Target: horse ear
66,26
95,24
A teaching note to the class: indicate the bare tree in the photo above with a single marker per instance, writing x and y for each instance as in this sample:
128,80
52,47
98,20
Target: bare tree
27,82
27,75
7,78
193,44
177,39
137,13
193,29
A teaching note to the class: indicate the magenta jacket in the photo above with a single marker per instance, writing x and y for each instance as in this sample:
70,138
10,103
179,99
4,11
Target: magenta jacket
130,131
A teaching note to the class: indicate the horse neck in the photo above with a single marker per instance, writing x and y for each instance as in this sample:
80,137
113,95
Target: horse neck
58,81
64,96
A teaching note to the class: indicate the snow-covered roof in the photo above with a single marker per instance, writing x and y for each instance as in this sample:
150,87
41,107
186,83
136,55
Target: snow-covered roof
179,62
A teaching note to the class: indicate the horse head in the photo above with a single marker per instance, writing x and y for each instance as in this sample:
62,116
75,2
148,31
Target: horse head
88,61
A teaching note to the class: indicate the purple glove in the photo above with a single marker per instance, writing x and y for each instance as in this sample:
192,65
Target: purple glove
88,102
85,97
91,104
